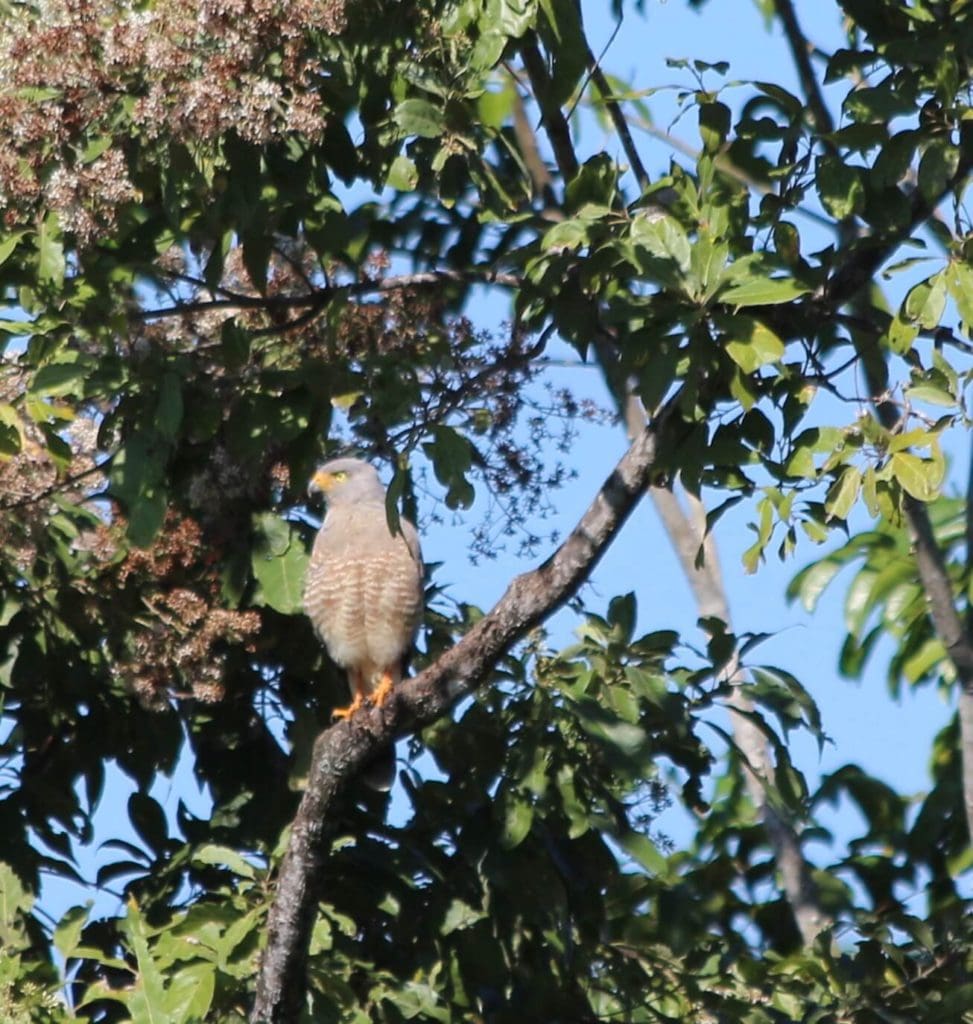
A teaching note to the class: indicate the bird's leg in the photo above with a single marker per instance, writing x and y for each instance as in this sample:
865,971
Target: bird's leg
356,681
382,692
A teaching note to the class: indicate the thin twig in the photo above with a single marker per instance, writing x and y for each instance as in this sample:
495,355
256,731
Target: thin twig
615,113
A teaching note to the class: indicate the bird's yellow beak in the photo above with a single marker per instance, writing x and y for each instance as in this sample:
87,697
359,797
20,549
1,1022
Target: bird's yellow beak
324,482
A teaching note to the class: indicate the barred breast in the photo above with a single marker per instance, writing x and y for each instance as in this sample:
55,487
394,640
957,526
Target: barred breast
363,592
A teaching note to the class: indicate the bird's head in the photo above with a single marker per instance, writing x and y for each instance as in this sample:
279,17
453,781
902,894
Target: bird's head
347,480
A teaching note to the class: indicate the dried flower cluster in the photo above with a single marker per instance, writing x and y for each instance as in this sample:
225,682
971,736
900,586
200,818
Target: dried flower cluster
184,639
79,77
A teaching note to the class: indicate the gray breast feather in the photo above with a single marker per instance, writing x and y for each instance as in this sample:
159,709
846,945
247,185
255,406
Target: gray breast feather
363,591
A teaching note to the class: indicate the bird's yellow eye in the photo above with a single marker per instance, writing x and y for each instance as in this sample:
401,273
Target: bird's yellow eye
339,475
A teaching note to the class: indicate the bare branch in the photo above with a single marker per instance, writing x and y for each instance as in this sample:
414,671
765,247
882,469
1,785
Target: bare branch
801,51
949,627
527,140
955,635
688,534
552,117
341,751
315,301
618,119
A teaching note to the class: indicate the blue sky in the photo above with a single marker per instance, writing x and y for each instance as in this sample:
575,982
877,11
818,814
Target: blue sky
887,738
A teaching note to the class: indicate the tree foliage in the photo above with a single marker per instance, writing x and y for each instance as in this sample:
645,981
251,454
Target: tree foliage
240,234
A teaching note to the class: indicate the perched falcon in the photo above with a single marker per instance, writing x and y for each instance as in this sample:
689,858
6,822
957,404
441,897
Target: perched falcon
363,592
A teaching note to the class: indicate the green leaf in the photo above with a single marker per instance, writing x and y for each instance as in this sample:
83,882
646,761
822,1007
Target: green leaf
926,301
17,326
417,1001
168,414
566,236
956,1003
419,117
145,517
8,244
136,479
518,815
452,457
844,493
936,169
146,1000
224,856
629,740
663,238
839,186
901,334
67,935
894,161
644,852
279,563
149,821
402,176
234,344
14,901
959,283
927,659
707,260
62,378
751,344
919,477
50,252
931,394
515,17
714,125
460,915
763,291
622,613
11,430
190,993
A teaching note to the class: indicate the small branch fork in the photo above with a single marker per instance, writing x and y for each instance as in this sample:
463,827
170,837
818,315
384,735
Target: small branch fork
343,749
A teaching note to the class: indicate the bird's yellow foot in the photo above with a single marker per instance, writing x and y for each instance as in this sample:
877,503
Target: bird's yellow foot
350,710
383,691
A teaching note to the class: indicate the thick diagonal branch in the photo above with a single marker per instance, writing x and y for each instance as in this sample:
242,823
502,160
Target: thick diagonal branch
341,751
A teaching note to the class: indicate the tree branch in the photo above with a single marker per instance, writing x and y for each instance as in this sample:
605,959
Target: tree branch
315,301
552,117
800,50
618,118
864,261
687,533
341,751
948,625
706,582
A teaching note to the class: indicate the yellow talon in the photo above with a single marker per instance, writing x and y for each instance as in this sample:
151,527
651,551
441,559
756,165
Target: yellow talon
347,712
383,691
